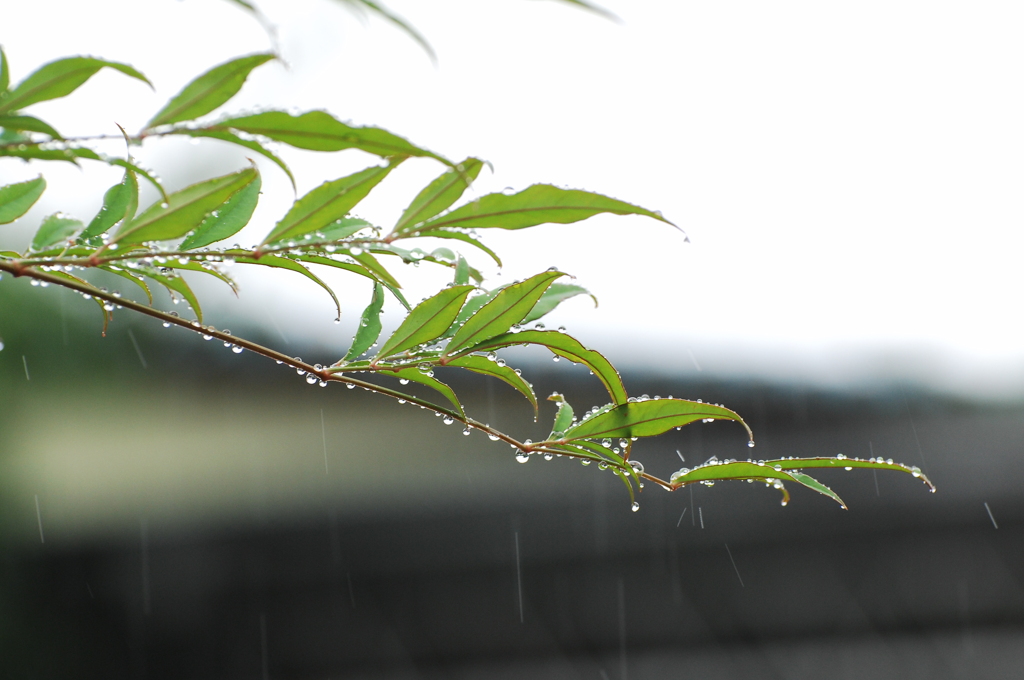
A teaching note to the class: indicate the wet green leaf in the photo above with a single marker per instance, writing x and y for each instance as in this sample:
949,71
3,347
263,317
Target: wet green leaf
228,219
209,91
460,236
116,203
59,79
538,204
355,269
846,463
649,418
554,296
54,229
563,419
427,321
278,262
5,73
28,124
461,272
485,366
369,325
320,131
742,470
177,284
565,346
186,209
250,144
72,154
16,199
507,308
415,375
440,194
329,202
131,276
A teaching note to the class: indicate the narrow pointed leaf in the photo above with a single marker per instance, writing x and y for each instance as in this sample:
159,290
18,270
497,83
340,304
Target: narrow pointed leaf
428,321
565,346
28,124
485,366
186,209
178,285
369,325
191,266
460,236
461,272
16,199
5,74
538,204
599,451
440,194
563,419
327,203
53,230
320,131
415,375
230,217
59,79
83,282
401,23
803,463
554,296
812,483
250,144
209,91
649,418
134,278
507,308
625,480
116,202
279,262
355,269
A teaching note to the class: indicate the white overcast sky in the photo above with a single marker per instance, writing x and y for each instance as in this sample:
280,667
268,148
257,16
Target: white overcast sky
849,174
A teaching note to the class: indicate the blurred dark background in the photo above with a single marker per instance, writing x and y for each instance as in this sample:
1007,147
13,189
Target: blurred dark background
172,510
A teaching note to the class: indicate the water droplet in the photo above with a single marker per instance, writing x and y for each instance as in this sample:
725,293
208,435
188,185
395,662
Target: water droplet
840,456
548,456
522,457
491,356
637,465
554,358
236,349
584,462
635,507
500,362
448,420
403,381
167,324
493,437
323,383
750,444
466,432
311,378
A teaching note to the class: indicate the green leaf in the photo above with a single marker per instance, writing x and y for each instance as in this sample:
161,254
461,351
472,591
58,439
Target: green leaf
28,124
846,463
134,278
812,483
563,419
198,267
538,204
177,284
369,325
185,210
554,296
59,79
508,308
16,199
742,470
649,418
116,203
71,154
565,346
428,321
415,375
320,131
355,269
250,144
460,236
279,262
440,194
461,271
327,203
485,366
53,230
371,263
209,91
228,219
5,74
